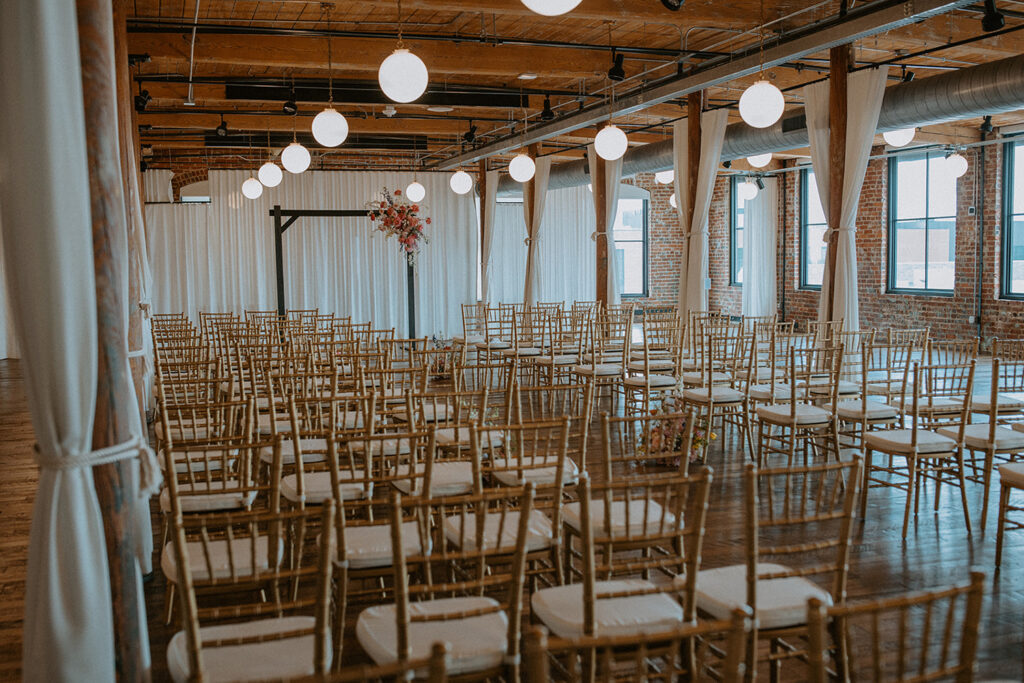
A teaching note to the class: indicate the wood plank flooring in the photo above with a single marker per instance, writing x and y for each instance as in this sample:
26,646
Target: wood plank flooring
937,552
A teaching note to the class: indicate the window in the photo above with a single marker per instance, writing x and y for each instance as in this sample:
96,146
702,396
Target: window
922,224
1013,222
736,235
630,233
813,250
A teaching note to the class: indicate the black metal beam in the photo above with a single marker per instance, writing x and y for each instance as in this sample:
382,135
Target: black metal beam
360,92
395,141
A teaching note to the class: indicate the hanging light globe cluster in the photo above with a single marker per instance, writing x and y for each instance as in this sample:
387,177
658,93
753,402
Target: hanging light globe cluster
762,104
665,177
746,190
461,182
899,138
611,143
760,160
551,8
957,164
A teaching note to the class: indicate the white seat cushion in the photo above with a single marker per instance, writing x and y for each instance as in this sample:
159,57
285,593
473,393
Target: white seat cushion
780,602
698,377
763,392
471,339
475,643
976,436
383,446
639,524
658,381
805,414
717,394
534,470
493,345
938,405
241,549
1018,426
898,441
263,424
184,431
209,496
200,461
539,536
561,609
269,660
367,547
318,487
842,387
431,413
1012,474
451,436
857,409
527,351
448,478
313,450
558,360
1004,404
600,370
655,364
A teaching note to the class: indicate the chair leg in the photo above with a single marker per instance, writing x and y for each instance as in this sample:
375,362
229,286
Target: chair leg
169,603
912,489
1004,501
865,483
963,490
986,478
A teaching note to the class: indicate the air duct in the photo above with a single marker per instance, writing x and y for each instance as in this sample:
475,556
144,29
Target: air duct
992,88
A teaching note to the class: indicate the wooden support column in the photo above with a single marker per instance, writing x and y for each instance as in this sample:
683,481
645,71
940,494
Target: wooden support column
481,184
114,388
529,191
600,184
694,108
839,68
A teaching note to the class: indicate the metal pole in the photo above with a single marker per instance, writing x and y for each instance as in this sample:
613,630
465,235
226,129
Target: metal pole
411,293
279,259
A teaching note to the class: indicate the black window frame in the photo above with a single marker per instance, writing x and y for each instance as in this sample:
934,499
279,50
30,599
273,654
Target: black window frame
805,224
646,246
890,237
1005,261
733,261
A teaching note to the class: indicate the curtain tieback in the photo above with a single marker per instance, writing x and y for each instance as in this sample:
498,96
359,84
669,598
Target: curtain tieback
136,447
528,241
137,353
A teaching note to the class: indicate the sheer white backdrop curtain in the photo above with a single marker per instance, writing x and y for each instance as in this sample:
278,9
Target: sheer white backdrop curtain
490,207
566,269
693,293
535,227
220,256
156,186
613,181
865,90
8,338
68,630
760,288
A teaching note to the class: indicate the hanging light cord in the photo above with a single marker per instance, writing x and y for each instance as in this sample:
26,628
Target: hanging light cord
400,44
330,66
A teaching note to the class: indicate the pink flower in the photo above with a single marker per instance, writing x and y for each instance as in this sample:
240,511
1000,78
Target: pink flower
398,193
428,221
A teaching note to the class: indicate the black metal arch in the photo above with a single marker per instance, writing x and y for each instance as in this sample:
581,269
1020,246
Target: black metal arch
281,225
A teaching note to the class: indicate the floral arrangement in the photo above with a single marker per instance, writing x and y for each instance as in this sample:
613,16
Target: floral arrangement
440,365
396,217
665,437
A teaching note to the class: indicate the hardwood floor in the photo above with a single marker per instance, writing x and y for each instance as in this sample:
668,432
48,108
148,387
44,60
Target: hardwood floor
937,552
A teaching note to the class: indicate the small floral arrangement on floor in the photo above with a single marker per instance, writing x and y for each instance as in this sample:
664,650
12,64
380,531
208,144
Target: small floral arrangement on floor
441,363
396,217
664,440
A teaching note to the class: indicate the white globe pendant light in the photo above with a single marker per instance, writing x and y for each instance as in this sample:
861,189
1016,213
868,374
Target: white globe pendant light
760,160
664,177
761,104
330,128
611,143
672,201
899,138
270,174
957,164
403,76
461,182
415,192
252,188
551,8
746,190
295,158
521,168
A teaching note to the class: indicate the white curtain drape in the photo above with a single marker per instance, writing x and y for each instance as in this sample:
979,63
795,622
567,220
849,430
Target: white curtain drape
156,186
865,90
693,294
8,338
220,256
490,207
613,181
68,629
534,226
760,287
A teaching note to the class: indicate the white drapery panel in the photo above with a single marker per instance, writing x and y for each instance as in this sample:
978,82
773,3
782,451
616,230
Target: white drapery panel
220,256
865,90
507,273
8,338
693,294
68,631
156,186
567,267
760,287
534,226
613,181
490,201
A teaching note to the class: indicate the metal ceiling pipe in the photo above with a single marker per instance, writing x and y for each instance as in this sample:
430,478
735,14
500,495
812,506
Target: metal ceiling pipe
992,88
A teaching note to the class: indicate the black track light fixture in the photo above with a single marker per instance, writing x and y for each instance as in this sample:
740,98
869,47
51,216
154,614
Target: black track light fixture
726,164
907,76
547,114
141,100
470,135
759,181
290,107
673,5
993,19
986,125
617,73
222,129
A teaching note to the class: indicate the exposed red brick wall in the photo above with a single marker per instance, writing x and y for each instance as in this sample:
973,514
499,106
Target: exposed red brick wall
187,176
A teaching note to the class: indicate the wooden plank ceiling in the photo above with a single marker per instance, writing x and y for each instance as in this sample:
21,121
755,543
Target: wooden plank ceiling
251,56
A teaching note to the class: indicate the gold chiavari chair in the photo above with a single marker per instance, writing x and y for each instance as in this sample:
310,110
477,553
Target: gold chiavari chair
717,648
646,444
926,454
432,670
936,637
467,593
278,626
451,413
798,522
551,403
565,346
858,416
474,330
951,352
